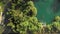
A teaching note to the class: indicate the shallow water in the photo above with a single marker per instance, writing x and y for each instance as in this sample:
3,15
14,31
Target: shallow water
45,10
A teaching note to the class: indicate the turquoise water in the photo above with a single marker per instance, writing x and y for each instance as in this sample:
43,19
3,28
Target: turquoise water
45,12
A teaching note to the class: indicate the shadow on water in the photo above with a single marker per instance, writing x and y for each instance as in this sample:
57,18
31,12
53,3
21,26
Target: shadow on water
56,5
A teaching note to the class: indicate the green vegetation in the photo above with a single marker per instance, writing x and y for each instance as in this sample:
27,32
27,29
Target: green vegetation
22,19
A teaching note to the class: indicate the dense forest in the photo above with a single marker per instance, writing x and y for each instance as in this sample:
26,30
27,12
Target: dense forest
19,17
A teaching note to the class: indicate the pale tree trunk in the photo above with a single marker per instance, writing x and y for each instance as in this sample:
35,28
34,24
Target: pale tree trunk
1,17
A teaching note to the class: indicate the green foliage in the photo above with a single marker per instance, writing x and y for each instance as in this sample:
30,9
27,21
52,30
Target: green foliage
22,18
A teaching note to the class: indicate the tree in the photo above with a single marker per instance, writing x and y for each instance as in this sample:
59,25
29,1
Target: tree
22,16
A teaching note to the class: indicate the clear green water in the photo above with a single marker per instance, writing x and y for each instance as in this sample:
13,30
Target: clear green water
45,12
